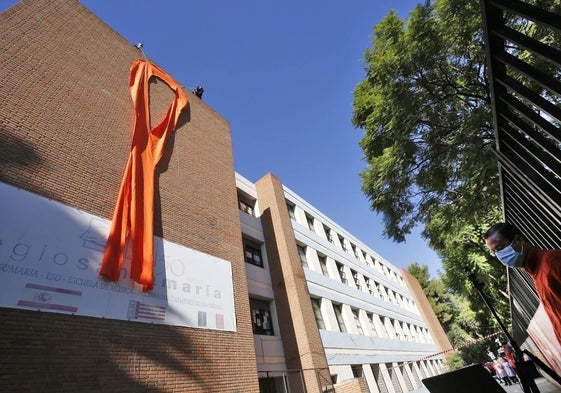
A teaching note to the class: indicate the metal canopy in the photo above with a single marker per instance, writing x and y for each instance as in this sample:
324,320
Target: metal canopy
524,73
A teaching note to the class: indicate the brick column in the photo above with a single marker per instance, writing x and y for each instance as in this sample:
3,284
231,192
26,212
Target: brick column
301,340
435,328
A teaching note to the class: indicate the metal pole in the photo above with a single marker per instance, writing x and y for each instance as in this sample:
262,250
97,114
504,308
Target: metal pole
527,386
302,379
284,381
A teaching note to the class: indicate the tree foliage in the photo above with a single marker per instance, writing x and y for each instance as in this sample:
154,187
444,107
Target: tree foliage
428,143
425,109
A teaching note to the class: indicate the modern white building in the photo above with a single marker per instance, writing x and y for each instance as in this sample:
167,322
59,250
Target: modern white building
369,323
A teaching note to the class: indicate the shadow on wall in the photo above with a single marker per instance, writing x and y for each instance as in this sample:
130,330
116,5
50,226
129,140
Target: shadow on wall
15,152
50,352
44,352
162,167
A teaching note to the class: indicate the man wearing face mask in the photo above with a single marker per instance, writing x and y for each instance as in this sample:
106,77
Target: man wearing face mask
510,247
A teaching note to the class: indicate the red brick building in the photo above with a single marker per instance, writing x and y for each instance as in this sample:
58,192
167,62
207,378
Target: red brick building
66,123
66,120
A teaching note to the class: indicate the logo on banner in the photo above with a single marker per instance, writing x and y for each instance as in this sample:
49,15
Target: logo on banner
49,298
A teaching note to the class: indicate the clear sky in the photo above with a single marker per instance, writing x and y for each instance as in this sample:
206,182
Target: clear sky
282,73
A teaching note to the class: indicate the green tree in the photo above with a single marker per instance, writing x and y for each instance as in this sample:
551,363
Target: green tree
428,139
425,109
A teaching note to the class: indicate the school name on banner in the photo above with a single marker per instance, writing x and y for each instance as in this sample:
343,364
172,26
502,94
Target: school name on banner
50,256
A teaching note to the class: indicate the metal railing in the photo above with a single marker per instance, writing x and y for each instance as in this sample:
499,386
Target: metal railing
293,381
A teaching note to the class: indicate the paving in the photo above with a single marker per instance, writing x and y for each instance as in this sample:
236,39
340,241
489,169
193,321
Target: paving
543,384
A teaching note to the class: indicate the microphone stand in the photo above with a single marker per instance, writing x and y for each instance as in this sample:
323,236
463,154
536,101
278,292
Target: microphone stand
528,384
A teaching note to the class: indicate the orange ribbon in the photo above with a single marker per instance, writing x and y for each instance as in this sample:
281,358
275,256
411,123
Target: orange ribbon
133,219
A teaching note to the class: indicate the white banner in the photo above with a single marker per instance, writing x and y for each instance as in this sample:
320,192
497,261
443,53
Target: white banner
50,255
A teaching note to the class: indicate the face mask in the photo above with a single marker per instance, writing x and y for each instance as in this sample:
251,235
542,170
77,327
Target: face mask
510,257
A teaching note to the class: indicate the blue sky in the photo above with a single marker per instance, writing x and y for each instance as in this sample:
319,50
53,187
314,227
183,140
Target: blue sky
282,73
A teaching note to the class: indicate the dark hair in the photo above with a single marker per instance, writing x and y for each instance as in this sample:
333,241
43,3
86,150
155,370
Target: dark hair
506,230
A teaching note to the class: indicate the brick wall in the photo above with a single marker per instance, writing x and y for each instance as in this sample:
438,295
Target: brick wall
355,385
425,309
66,122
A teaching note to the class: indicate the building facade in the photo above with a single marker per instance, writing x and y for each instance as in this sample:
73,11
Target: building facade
370,325
297,305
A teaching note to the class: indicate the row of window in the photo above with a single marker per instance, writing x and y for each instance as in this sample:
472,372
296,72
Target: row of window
247,205
363,321
325,231
410,373
252,253
402,377
362,283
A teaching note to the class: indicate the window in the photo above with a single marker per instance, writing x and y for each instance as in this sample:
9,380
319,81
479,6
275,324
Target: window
271,383
341,270
246,206
355,252
407,331
357,370
323,264
399,330
316,305
328,234
310,221
356,279
390,327
357,321
394,298
339,316
342,241
391,296
291,210
261,317
382,291
252,253
302,254
384,328
369,286
379,377
370,318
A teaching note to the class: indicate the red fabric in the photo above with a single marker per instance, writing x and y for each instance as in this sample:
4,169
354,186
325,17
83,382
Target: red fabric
133,218
545,268
510,356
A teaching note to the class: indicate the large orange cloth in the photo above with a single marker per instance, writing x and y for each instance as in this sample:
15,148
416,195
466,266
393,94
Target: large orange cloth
133,219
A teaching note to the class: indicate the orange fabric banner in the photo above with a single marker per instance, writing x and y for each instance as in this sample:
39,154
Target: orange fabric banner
133,219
